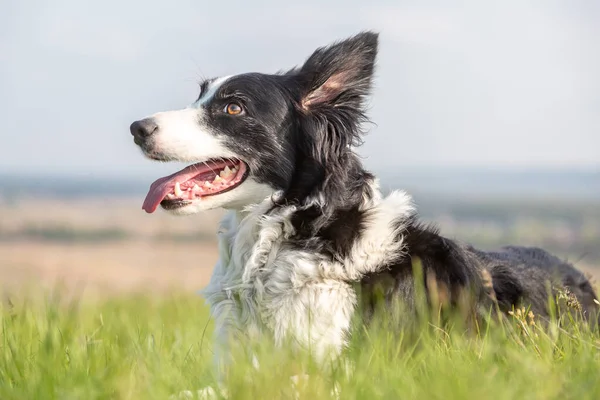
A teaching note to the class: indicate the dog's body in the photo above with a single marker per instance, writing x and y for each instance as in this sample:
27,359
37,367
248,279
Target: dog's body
308,230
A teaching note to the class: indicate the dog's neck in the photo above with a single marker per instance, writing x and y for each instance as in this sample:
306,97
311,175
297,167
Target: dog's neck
322,200
321,188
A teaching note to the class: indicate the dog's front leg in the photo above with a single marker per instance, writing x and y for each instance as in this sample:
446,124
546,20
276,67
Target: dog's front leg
227,332
226,314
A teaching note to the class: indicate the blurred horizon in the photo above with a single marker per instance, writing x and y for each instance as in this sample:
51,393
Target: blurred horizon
452,182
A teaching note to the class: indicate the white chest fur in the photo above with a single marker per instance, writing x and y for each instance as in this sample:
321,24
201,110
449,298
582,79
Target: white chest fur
262,285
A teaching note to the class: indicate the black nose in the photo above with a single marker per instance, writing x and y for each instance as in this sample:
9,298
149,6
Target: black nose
143,128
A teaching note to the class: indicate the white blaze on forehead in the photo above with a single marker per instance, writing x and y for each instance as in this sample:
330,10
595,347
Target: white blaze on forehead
210,91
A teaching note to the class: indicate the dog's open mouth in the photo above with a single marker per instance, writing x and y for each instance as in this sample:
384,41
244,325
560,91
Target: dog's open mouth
195,182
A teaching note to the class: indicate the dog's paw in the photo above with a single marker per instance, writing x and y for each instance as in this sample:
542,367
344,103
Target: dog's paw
207,393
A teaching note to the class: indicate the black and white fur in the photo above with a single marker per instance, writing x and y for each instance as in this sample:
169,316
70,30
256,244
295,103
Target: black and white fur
309,224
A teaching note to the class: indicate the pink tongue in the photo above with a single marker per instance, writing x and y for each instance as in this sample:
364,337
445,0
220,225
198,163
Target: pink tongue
163,186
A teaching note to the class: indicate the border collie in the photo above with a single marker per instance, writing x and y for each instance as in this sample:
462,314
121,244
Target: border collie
307,227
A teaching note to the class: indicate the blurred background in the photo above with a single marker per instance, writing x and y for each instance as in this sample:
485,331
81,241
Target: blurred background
499,104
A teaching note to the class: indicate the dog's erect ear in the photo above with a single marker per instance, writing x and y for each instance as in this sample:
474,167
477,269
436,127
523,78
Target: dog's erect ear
340,74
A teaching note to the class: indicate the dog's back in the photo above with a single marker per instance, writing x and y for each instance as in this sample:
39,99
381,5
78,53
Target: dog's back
512,277
524,276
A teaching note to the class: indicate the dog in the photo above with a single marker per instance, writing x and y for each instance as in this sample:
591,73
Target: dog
308,234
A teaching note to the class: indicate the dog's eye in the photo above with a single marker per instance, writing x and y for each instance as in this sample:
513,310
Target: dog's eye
233,109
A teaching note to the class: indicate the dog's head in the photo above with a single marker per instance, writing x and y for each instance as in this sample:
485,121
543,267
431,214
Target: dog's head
248,136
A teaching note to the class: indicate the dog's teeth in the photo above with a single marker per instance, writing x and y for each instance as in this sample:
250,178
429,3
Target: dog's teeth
178,191
217,179
207,184
196,188
226,172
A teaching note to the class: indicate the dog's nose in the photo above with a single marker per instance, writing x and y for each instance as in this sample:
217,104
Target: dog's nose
143,128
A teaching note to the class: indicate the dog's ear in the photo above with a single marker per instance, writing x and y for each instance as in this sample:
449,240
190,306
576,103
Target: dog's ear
340,74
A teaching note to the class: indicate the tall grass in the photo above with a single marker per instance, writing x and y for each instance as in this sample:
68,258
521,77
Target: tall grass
144,347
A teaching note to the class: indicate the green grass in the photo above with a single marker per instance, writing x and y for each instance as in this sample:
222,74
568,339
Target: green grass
142,347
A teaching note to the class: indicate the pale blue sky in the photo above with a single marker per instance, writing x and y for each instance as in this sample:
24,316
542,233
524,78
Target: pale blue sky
516,83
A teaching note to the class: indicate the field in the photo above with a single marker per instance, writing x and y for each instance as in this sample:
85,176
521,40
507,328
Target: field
99,303
149,347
